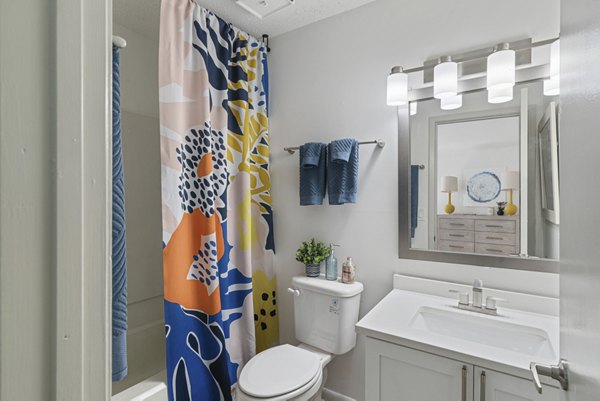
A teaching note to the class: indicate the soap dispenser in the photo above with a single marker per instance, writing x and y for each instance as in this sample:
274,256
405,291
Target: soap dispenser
331,265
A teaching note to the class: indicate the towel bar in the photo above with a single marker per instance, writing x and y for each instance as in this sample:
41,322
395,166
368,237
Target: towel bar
380,143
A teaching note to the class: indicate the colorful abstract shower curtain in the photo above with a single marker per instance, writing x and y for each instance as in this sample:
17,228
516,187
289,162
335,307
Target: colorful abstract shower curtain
219,284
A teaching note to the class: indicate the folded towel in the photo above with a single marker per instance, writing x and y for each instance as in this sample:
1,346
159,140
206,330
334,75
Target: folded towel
342,175
313,157
414,198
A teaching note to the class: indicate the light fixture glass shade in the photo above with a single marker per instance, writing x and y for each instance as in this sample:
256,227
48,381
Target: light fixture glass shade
449,183
500,95
445,80
397,88
501,69
552,86
510,180
413,108
451,103
555,58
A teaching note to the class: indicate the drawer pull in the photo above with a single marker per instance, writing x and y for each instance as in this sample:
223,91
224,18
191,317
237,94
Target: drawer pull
464,384
456,235
493,226
457,224
495,238
493,250
482,386
456,246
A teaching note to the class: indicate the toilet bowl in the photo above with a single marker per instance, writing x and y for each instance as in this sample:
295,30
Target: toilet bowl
284,373
325,313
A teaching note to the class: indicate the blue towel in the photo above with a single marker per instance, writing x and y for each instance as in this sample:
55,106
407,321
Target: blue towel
313,157
342,174
414,198
119,259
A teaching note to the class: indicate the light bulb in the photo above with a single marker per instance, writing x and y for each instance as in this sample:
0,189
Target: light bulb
397,87
500,95
501,68
451,103
552,86
445,79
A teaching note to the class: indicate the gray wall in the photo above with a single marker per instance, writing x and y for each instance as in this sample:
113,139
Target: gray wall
27,200
328,81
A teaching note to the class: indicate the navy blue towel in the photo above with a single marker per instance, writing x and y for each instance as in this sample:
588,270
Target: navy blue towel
342,174
313,157
414,198
119,259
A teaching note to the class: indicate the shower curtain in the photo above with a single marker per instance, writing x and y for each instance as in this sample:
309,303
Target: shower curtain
219,284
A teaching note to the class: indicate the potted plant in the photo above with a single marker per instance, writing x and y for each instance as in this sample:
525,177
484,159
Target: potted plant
312,254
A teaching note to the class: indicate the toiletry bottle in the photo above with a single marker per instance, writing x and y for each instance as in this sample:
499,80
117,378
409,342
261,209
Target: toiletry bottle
348,271
331,265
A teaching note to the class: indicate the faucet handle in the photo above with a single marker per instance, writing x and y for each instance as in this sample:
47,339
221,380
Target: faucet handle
463,297
490,302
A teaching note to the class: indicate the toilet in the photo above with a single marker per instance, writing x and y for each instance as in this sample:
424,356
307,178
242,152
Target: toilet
325,313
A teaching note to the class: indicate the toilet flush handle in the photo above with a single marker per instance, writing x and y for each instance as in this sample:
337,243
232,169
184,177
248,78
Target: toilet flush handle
294,291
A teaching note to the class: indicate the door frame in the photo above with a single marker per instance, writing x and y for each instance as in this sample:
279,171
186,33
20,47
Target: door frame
84,198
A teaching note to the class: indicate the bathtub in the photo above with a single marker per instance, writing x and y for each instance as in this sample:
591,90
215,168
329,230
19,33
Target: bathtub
152,389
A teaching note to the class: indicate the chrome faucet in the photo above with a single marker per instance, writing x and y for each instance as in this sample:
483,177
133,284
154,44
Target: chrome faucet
477,306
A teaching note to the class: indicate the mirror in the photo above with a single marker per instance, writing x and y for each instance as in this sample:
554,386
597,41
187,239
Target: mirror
483,180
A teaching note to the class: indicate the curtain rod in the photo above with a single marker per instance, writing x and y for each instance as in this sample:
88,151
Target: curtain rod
380,144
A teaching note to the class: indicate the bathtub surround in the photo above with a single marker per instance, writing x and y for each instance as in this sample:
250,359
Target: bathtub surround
220,292
391,32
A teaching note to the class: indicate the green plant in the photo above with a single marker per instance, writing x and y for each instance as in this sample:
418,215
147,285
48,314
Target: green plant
312,253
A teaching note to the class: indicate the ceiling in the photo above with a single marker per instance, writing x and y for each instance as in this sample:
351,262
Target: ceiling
142,16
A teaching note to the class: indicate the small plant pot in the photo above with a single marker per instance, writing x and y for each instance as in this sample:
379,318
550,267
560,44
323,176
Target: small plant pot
313,270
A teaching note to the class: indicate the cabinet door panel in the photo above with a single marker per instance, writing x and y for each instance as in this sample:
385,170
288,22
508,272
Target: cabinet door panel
502,387
395,373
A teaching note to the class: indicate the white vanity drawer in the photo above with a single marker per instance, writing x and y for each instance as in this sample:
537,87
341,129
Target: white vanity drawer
492,249
456,224
456,246
457,235
495,238
499,226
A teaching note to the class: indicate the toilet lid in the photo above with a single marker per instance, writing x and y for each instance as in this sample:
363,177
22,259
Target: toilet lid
278,371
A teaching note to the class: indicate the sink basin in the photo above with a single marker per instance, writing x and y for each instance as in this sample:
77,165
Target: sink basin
485,330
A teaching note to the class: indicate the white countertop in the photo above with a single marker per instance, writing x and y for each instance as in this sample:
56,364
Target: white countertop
393,319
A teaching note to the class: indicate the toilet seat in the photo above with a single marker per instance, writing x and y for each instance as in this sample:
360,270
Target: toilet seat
284,370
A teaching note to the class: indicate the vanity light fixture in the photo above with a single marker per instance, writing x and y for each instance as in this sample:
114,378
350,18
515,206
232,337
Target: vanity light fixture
445,78
413,108
451,103
551,85
501,74
397,87
500,95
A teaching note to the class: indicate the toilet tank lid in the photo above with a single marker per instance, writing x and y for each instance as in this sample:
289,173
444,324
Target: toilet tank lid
327,287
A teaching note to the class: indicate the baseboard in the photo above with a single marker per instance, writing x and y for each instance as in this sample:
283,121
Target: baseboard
330,395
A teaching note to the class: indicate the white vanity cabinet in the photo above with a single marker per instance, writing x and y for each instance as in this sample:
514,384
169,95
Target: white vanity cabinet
397,373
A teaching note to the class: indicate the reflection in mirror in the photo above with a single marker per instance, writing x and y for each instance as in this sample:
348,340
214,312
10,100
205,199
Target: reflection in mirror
484,177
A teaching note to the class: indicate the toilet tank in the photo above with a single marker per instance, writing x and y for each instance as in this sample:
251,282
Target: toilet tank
325,313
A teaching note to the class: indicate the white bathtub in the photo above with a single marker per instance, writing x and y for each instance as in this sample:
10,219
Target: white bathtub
152,389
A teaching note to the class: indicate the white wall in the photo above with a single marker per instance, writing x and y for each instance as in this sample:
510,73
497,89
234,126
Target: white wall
328,81
141,160
27,200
